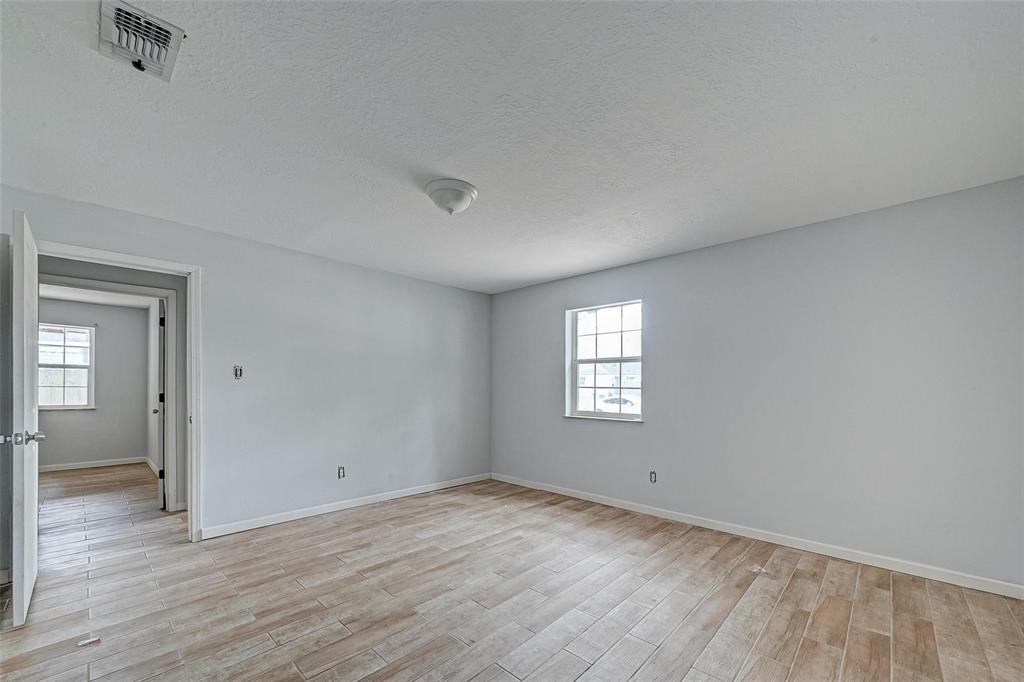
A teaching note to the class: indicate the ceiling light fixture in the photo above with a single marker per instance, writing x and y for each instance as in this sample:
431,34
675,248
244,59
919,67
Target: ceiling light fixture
450,195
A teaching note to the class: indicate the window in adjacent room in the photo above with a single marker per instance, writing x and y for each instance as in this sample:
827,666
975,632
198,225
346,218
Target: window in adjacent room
66,366
603,346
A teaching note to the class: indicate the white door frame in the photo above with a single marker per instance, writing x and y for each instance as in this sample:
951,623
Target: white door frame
192,274
170,359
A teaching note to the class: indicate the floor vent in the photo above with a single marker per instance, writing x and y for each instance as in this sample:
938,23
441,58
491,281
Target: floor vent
147,43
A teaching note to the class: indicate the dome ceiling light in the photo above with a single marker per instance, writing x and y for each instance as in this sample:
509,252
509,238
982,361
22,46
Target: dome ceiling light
450,195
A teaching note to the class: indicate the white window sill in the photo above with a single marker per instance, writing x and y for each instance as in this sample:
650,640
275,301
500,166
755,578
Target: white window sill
622,420
65,408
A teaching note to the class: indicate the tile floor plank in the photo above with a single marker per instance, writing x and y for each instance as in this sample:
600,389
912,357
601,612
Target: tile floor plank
487,582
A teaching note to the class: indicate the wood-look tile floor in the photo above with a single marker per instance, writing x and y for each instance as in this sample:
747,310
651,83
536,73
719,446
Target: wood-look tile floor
487,581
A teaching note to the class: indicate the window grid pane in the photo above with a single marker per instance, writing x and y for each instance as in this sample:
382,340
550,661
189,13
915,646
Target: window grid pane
76,395
586,347
51,355
630,401
631,317
632,374
76,356
76,377
585,400
609,345
586,322
51,395
631,344
609,319
585,374
609,374
76,337
607,400
51,335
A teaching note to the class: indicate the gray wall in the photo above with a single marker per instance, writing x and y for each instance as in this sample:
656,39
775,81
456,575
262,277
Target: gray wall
855,382
116,428
386,375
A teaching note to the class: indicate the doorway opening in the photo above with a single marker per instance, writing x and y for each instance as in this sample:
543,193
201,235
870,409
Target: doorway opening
63,363
106,350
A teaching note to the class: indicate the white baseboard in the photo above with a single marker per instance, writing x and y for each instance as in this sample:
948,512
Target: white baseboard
889,563
94,463
156,472
272,519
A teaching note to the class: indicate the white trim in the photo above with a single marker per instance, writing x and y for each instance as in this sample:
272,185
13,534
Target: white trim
193,357
156,472
61,292
272,519
621,420
603,305
93,464
193,385
170,405
65,408
889,563
83,253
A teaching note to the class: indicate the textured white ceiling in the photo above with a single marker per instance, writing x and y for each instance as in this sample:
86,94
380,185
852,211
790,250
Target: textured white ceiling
598,134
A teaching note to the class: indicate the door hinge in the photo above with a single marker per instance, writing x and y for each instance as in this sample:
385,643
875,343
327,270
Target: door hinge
163,321
161,398
160,474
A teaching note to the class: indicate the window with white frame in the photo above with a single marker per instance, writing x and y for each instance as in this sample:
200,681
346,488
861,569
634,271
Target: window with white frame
66,366
606,361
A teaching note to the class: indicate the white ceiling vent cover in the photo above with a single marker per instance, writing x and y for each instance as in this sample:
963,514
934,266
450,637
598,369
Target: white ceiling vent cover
147,43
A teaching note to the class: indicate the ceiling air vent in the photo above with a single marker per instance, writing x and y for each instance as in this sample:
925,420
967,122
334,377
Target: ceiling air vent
147,43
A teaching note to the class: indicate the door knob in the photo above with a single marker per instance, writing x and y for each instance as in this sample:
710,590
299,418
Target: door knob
156,411
38,436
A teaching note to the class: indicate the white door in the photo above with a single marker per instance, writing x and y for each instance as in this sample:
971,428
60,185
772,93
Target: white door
25,403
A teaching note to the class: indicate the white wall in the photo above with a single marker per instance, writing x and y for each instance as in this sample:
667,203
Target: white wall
855,382
116,428
386,375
